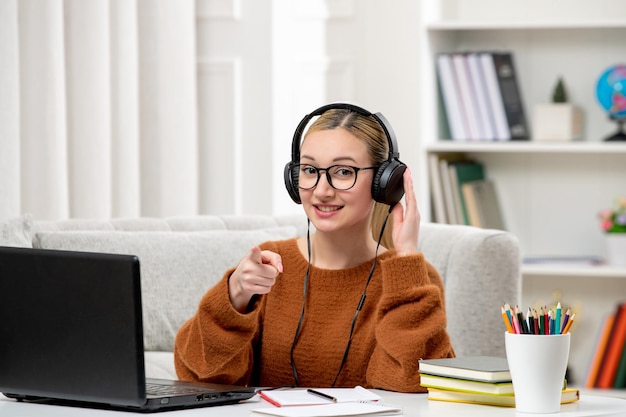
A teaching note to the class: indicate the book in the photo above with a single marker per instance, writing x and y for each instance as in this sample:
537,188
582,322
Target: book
436,190
440,187
448,192
471,206
467,98
598,352
483,105
331,410
476,368
620,375
496,104
451,99
465,385
299,397
463,172
612,355
511,95
568,395
456,198
483,205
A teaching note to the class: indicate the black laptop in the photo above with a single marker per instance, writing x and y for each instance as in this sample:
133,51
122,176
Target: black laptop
71,332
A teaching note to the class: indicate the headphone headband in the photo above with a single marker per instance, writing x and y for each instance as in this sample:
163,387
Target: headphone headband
387,185
382,121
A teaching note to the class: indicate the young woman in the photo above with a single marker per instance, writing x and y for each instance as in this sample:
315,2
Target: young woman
335,308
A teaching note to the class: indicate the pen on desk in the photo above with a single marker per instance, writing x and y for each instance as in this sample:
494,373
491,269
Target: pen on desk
321,394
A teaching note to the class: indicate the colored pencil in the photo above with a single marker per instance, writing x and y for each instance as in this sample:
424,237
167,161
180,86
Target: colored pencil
507,320
557,319
566,318
569,324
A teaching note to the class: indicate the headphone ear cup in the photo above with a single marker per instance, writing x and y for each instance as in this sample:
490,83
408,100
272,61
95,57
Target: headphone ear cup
291,182
388,183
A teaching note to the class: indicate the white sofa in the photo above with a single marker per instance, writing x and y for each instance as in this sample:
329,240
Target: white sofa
181,257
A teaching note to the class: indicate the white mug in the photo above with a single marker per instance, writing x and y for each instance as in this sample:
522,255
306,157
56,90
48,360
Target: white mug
537,364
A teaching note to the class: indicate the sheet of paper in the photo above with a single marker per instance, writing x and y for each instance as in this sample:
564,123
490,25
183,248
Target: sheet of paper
299,397
331,410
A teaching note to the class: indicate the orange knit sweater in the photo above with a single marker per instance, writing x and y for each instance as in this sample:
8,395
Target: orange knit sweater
402,320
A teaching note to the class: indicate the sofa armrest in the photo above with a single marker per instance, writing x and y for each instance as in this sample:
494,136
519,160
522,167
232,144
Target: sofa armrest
481,269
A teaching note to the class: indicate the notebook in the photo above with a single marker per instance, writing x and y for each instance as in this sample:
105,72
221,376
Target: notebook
71,333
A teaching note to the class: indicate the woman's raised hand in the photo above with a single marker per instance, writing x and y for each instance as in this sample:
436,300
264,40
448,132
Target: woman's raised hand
406,222
255,274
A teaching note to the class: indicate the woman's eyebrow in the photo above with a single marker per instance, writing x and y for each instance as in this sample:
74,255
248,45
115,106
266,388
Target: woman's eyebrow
336,159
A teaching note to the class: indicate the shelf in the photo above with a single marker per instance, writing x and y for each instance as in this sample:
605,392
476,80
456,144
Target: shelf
549,192
528,147
560,270
452,25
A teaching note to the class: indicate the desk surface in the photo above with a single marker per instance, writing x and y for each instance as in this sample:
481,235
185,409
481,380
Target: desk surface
413,405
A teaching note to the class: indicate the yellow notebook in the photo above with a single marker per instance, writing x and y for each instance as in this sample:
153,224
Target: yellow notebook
568,395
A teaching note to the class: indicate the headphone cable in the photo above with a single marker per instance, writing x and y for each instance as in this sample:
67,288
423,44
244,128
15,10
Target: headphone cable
356,313
361,301
304,291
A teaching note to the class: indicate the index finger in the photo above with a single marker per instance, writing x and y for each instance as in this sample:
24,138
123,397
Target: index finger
409,199
272,258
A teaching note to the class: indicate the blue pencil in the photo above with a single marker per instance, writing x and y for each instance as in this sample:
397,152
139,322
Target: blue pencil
557,319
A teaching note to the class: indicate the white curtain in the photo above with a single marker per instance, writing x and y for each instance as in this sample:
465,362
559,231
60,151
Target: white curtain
98,108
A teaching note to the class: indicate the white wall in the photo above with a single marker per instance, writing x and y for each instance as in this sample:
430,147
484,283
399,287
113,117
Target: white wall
350,50
121,123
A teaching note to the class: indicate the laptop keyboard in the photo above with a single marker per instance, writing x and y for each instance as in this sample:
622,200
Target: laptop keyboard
170,390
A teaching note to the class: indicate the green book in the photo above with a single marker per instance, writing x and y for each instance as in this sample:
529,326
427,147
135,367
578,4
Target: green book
475,368
460,173
620,374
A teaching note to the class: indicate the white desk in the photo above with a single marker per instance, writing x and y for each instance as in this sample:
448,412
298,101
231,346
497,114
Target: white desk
414,405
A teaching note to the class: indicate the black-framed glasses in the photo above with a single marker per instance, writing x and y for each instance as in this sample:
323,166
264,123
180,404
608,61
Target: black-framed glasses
340,177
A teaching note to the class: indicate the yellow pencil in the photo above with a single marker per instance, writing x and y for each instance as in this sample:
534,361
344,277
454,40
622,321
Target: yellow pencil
507,322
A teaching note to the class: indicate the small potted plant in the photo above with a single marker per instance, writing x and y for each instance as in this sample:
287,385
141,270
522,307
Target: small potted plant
613,223
559,120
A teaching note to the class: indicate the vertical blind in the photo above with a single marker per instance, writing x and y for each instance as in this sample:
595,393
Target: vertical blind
98,108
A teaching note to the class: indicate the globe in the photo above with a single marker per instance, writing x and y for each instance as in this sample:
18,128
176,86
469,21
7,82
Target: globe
611,94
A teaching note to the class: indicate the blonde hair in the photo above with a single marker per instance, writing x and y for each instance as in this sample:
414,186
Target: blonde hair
368,130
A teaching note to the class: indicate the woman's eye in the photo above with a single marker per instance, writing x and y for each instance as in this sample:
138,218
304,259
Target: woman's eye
344,172
309,170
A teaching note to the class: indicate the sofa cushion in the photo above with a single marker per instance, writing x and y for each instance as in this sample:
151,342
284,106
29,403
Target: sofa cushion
16,232
177,268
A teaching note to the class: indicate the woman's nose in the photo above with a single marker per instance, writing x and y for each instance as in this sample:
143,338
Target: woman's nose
323,185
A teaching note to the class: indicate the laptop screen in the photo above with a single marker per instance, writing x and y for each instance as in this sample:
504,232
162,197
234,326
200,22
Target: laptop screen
71,326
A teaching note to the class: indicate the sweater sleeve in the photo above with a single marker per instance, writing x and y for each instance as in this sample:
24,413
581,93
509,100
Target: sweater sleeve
411,324
217,343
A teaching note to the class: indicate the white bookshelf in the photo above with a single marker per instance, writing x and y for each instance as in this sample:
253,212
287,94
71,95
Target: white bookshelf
550,193
561,270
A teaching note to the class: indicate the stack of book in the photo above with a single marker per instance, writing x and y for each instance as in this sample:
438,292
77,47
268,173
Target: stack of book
475,380
481,96
461,192
607,368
